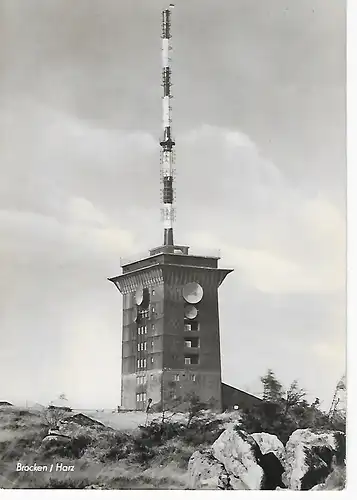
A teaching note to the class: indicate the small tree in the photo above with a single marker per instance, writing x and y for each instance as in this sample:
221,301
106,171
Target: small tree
272,388
195,407
54,414
282,412
294,396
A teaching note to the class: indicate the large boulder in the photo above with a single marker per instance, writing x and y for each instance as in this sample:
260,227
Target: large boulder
56,435
310,456
239,454
270,443
205,472
272,459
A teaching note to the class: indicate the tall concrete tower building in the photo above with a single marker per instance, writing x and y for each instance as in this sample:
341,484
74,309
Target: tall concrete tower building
170,335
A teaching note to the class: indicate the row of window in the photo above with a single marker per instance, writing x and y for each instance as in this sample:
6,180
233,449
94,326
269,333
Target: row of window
141,380
141,363
143,330
192,377
143,314
192,342
142,346
189,360
141,396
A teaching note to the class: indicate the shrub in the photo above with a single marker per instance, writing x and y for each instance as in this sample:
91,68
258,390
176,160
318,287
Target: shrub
282,412
74,448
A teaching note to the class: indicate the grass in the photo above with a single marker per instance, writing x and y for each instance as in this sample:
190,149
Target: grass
102,457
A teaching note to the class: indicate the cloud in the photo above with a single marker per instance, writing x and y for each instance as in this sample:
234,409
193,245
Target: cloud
281,239
79,195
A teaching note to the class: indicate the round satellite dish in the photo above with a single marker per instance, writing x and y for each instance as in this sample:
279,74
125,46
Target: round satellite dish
139,295
192,293
190,312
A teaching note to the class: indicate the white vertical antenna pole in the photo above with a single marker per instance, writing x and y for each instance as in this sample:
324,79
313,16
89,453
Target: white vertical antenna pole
167,144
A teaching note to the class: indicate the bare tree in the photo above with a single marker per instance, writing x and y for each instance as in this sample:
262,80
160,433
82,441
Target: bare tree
195,407
294,396
54,414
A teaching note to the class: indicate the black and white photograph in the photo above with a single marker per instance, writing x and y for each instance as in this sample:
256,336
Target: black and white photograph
173,245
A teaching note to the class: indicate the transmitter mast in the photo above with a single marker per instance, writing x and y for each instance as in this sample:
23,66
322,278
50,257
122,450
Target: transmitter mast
167,143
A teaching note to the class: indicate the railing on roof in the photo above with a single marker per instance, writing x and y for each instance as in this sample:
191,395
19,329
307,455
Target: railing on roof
193,252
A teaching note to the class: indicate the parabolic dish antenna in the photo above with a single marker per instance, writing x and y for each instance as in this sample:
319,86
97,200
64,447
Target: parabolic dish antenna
192,293
190,312
139,295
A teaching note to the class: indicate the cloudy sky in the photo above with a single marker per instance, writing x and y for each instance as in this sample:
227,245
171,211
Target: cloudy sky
259,121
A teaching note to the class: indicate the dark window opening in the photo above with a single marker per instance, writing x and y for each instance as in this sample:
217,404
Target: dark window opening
192,342
191,359
191,325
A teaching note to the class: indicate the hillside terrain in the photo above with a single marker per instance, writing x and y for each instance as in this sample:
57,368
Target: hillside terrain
256,449
115,455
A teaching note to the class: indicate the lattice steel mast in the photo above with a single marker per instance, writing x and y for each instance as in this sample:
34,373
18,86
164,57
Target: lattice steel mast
167,143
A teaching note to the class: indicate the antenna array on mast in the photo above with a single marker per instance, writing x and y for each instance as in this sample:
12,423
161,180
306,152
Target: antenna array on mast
167,143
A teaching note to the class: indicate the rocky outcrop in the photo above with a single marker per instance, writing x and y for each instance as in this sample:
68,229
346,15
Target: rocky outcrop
239,454
206,472
310,456
56,435
269,443
237,460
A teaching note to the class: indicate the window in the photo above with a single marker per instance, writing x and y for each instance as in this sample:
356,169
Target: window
145,346
143,314
191,325
153,292
144,364
138,363
191,360
153,309
141,346
141,397
153,327
138,347
152,360
193,377
145,329
192,342
176,377
152,343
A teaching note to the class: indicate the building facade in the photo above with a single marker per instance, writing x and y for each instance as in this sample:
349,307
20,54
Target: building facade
170,333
